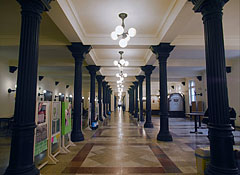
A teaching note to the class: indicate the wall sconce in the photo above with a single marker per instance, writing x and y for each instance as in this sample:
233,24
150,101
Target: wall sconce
40,78
59,94
56,83
12,69
11,90
199,78
44,91
70,96
196,94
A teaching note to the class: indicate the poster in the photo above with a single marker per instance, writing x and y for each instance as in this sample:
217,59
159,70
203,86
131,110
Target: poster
41,130
56,116
66,117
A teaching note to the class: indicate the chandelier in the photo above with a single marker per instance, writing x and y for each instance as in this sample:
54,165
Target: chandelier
121,75
119,32
121,62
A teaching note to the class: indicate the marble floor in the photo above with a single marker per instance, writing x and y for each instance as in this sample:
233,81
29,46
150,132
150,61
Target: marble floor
122,146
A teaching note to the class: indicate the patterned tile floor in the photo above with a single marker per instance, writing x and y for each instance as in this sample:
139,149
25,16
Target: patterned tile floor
122,146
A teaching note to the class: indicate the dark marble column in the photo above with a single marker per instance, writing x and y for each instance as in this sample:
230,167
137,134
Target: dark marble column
22,145
148,71
110,100
133,101
129,100
140,79
99,80
78,52
92,69
162,52
136,99
220,131
104,98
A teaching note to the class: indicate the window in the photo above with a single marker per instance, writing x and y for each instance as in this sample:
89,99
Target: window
192,96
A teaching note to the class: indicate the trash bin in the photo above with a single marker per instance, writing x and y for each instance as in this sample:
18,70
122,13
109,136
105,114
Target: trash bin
202,159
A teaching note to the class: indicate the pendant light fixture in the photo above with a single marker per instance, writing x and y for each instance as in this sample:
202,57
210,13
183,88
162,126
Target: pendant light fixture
120,32
121,62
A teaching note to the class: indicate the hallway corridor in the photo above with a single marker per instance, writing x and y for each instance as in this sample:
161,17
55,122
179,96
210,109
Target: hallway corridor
122,146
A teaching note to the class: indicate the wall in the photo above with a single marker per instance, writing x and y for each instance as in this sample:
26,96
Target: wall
233,80
48,83
8,80
7,101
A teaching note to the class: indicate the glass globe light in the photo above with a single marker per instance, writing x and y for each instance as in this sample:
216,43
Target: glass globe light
122,61
126,63
127,38
70,96
125,75
132,32
117,75
122,43
60,93
114,35
119,30
115,63
44,91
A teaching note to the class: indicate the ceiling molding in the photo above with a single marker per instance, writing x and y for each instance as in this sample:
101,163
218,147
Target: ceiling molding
103,39
230,42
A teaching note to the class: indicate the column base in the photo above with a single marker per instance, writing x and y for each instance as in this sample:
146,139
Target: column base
148,125
77,136
94,128
223,161
21,171
212,170
164,136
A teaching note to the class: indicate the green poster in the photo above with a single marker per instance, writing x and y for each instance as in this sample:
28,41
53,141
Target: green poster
66,117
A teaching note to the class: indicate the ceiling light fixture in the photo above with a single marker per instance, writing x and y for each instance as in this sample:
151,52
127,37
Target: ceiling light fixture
121,62
119,32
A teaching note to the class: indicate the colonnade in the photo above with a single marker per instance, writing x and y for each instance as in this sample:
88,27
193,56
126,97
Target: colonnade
220,131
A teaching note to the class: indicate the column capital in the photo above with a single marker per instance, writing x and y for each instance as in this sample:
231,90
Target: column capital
92,69
104,83
208,6
132,86
147,69
100,78
135,84
79,50
35,6
140,78
162,51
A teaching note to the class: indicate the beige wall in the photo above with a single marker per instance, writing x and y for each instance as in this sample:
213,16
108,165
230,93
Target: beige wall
233,80
7,101
8,80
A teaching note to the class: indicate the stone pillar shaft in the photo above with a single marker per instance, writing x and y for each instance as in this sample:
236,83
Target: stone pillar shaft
92,70
78,52
140,79
136,100
104,98
220,132
99,79
162,52
22,144
148,71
